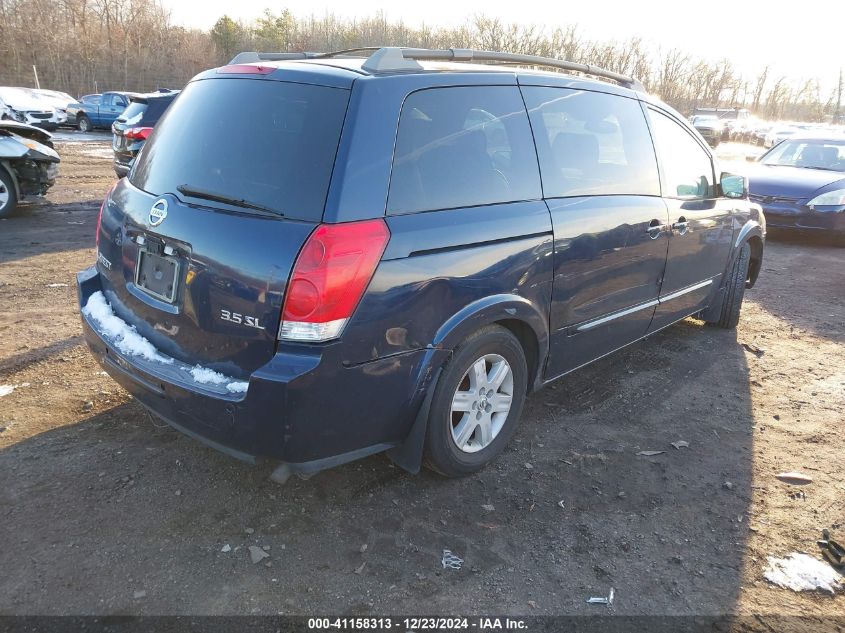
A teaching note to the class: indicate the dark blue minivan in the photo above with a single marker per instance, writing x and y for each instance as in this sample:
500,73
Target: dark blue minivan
317,259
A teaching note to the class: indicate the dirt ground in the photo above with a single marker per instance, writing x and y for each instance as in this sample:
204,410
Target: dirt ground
106,511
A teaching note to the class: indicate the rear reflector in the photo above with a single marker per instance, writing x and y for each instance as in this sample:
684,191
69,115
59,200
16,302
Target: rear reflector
329,278
138,133
245,69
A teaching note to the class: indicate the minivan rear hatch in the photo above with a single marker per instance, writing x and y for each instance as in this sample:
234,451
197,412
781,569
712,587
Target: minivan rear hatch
197,244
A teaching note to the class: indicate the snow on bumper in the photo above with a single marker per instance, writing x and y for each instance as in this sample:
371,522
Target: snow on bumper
125,339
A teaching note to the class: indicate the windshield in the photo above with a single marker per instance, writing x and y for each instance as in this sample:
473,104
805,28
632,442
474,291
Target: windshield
267,142
812,154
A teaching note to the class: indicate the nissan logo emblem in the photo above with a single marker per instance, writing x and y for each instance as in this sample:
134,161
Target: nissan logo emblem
158,212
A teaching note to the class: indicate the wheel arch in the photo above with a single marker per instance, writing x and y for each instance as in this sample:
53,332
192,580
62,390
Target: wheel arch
530,346
525,320
522,318
753,234
756,244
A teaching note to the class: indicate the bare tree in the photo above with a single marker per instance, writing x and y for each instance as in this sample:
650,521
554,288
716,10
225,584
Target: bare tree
84,45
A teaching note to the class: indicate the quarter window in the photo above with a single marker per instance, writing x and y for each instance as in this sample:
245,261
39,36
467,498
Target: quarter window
591,143
460,147
687,168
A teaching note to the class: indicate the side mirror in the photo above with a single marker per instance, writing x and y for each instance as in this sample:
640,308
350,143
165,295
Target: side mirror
733,186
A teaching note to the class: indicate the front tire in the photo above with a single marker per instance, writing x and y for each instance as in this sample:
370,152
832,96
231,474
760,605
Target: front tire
734,291
477,403
83,123
8,195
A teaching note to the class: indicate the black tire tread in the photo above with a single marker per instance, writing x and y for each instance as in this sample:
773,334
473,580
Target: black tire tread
735,290
434,457
10,186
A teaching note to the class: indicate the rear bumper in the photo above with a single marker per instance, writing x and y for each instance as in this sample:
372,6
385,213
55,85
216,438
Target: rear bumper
124,158
120,168
304,407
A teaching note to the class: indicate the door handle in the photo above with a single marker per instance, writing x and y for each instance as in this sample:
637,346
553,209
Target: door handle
681,226
656,228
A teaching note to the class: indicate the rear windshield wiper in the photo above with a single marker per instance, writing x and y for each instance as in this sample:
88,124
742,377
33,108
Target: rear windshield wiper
205,194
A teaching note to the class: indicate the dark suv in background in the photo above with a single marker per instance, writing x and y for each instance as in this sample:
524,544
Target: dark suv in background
135,124
316,260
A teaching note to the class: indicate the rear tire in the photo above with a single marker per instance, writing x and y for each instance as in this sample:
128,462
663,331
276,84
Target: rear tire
734,291
8,194
83,123
477,403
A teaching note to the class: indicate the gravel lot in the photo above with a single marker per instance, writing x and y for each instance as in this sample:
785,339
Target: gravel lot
106,511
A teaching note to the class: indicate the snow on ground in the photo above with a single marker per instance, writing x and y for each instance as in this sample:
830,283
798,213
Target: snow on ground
801,572
5,390
98,152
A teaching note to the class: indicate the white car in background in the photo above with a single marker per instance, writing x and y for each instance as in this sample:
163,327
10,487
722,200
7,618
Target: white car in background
19,104
778,133
59,100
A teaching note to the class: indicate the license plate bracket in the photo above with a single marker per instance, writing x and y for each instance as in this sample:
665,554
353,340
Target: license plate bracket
157,275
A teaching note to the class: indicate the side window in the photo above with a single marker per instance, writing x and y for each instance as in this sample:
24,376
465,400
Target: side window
688,170
107,100
591,143
120,101
460,147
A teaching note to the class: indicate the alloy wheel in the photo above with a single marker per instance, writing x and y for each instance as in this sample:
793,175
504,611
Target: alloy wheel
4,196
481,403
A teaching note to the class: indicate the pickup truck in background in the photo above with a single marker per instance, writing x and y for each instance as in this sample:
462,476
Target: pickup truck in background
87,116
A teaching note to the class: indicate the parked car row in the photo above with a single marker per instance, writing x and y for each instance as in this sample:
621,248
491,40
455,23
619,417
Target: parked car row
28,161
768,134
736,124
130,116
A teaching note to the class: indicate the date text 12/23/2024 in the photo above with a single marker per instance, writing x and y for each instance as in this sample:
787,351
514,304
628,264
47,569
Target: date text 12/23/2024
417,624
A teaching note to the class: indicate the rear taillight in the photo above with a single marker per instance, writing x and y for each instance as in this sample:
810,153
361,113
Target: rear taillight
329,277
138,133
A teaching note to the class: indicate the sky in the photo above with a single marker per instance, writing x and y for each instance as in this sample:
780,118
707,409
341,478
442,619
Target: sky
799,40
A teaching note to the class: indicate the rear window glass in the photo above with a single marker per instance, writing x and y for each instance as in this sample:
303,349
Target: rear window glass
461,147
591,143
155,109
267,142
134,112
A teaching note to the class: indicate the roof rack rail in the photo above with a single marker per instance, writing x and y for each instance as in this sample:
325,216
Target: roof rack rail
394,58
